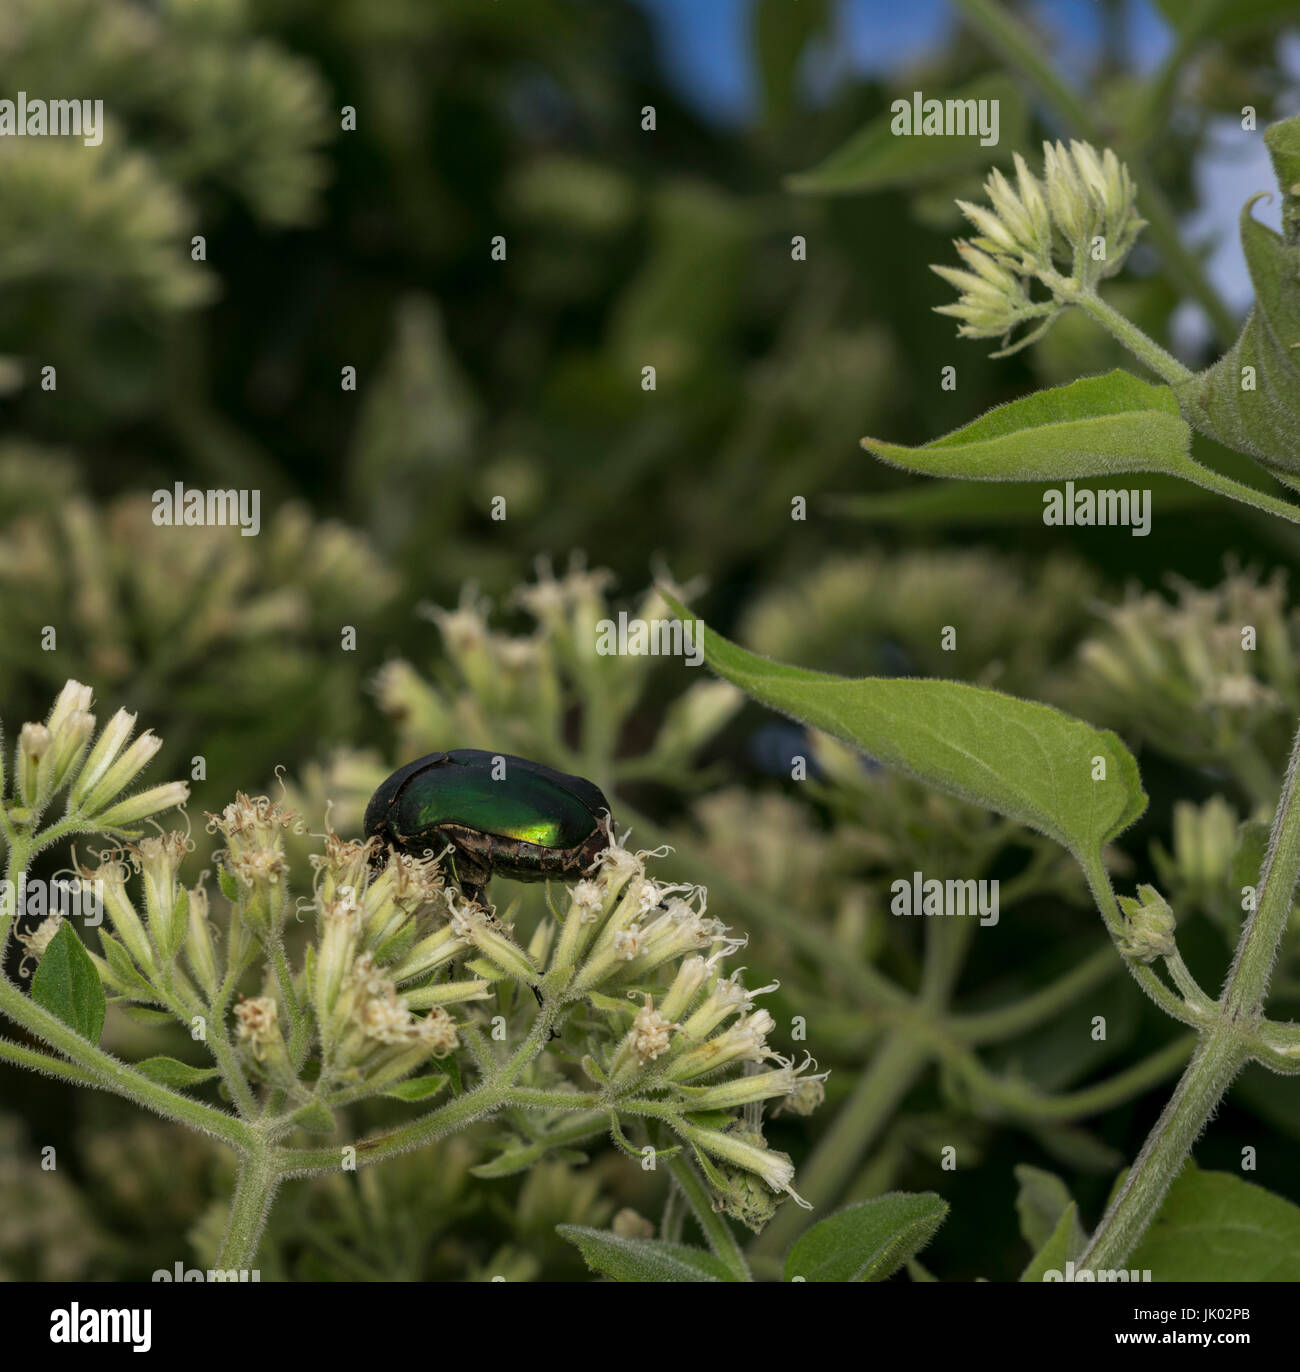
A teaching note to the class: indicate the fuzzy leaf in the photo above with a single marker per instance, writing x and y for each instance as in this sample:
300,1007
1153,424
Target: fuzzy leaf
1027,761
142,1014
1098,426
1041,1201
68,986
1214,1226
1265,419
418,1088
643,1259
869,1241
315,1117
171,1072
1064,1245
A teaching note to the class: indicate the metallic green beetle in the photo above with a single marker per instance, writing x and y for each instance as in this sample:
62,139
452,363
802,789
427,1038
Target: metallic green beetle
499,814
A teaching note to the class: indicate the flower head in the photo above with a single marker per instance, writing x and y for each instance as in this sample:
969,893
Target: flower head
1068,231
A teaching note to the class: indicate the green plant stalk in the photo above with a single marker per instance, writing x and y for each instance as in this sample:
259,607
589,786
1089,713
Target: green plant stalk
51,1067
903,1056
1222,1051
1247,983
1218,1058
218,1044
255,1189
1145,976
714,1226
1164,364
456,1114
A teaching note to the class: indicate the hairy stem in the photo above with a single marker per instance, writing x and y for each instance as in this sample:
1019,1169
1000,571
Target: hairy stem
1224,1048
1141,345
255,1189
1217,1060
715,1227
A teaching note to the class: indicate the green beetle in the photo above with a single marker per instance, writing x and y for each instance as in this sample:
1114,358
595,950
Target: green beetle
499,814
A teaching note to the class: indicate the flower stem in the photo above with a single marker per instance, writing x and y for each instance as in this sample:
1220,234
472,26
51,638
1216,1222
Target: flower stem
1247,984
715,1227
255,1189
456,1114
42,1062
1164,364
1218,1058
1224,1048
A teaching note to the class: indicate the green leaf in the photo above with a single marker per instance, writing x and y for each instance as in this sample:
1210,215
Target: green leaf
229,886
1098,426
176,926
315,1117
1041,1201
1214,1226
141,1014
171,1072
1027,761
1252,849
869,1241
418,1088
643,1259
1064,1245
68,986
876,157
123,967
1265,419
1283,143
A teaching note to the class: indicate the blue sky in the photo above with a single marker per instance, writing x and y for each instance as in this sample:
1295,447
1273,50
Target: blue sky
705,44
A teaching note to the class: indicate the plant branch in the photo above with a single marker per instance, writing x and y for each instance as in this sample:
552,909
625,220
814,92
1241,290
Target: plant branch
1230,1042
714,1226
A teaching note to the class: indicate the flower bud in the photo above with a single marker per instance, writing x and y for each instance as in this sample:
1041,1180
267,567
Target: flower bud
34,744
746,1150
74,698
253,829
70,742
120,773
166,903
745,1041
200,952
37,940
259,1033
143,804
469,923
110,880
109,744
1148,927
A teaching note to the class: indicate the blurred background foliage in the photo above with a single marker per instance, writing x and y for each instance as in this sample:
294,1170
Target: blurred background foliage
326,248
